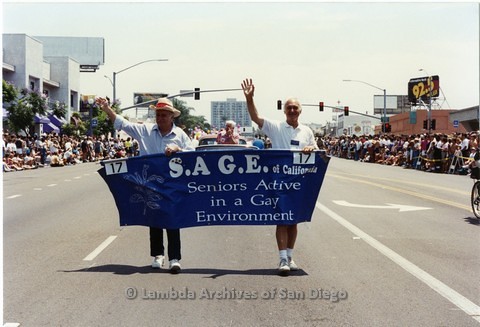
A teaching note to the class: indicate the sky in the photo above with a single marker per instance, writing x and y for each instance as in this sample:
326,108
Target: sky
289,49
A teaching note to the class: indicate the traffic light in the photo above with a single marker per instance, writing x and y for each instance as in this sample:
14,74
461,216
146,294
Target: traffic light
433,123
425,124
320,106
197,93
279,104
388,128
345,111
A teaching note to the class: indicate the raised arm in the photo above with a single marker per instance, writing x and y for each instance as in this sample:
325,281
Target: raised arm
103,104
248,90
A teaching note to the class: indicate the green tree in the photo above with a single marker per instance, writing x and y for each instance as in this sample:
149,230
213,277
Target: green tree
22,108
77,129
72,129
187,121
104,125
9,92
59,109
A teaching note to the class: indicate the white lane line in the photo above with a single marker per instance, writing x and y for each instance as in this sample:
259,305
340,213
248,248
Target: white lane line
14,196
50,185
100,248
451,295
37,189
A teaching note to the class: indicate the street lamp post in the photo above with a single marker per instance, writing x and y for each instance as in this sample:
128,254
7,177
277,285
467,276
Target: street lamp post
429,112
111,82
384,120
90,106
114,83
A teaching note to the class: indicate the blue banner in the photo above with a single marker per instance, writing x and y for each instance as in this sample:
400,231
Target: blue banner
203,188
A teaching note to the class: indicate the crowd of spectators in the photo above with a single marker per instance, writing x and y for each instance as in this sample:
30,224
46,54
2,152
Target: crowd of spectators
438,153
54,150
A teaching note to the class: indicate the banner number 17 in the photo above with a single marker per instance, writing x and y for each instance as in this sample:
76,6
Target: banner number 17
116,167
300,158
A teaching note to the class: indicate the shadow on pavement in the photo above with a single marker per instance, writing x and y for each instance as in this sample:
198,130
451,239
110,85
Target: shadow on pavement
117,269
472,220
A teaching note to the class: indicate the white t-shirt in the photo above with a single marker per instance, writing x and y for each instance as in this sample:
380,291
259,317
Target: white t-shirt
465,143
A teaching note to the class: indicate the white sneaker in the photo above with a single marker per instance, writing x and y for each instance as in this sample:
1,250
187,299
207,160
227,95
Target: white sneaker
283,266
158,262
175,266
292,265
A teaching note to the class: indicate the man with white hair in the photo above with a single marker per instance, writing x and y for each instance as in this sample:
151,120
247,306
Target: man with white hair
288,134
228,135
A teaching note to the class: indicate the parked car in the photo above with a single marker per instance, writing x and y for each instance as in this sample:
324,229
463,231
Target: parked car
212,139
209,143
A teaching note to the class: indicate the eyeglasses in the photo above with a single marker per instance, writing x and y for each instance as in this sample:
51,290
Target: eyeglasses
292,107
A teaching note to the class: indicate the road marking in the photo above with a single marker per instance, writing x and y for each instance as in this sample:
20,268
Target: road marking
11,324
14,196
415,194
400,207
451,295
100,248
37,189
403,181
50,185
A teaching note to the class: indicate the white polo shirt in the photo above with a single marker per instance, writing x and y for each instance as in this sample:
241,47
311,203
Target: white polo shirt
284,136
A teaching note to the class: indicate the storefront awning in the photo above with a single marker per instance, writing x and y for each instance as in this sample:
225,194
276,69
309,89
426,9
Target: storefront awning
41,119
57,121
49,127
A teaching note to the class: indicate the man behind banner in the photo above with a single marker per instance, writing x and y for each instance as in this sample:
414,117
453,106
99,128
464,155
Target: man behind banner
162,137
284,135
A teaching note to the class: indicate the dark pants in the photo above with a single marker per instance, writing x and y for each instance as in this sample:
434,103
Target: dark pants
43,155
437,156
156,243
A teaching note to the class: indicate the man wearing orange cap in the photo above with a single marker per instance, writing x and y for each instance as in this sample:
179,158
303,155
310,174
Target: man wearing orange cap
162,137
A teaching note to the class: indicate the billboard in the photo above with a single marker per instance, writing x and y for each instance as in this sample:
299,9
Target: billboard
395,104
144,99
423,88
86,102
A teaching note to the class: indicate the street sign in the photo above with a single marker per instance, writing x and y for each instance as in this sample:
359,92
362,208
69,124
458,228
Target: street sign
94,122
413,117
455,123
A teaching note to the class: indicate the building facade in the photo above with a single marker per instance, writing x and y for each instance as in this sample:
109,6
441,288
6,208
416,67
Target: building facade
231,109
415,122
51,66
26,66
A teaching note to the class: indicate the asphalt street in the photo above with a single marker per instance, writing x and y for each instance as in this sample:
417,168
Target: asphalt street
386,246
